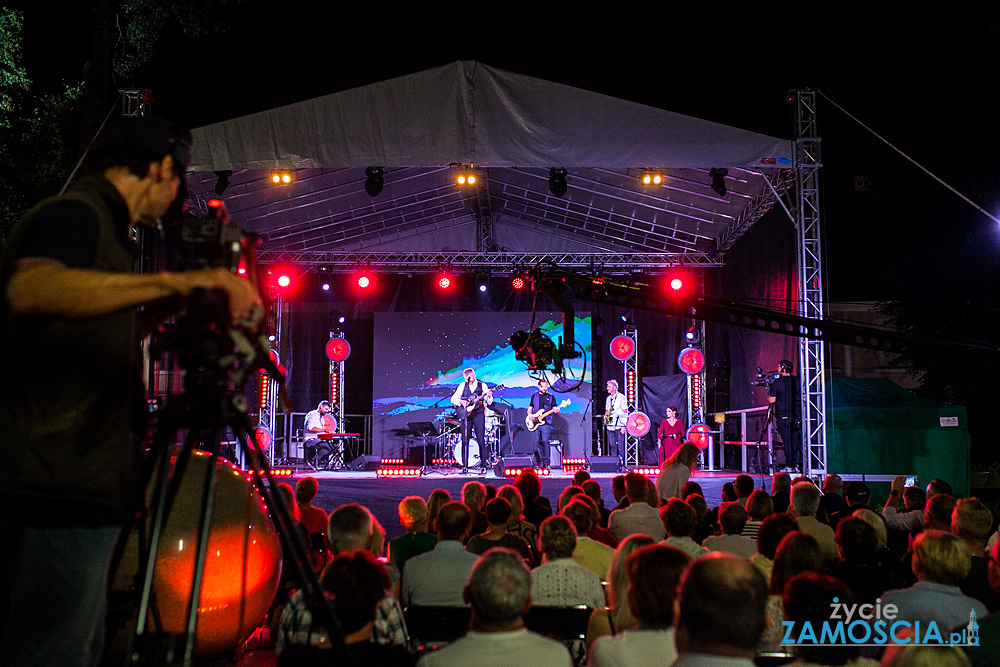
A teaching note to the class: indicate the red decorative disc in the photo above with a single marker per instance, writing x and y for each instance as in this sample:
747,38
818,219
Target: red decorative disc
263,437
622,347
691,360
698,435
637,424
338,349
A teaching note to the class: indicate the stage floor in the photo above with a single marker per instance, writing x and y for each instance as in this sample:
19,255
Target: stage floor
382,495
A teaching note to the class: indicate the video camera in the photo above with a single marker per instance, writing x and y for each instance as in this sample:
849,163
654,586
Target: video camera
764,379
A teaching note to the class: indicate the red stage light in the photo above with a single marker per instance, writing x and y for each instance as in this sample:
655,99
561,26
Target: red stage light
364,281
622,347
698,435
676,284
444,282
284,280
517,283
691,360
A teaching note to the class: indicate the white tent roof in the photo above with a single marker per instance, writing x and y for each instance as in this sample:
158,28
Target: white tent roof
513,127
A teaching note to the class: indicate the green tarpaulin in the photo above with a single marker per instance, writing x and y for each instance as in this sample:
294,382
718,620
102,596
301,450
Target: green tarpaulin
874,426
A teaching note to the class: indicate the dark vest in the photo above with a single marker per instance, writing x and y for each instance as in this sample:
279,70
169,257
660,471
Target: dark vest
73,402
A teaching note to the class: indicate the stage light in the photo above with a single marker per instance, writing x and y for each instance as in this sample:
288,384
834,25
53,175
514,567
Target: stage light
482,287
281,177
651,178
222,181
326,287
557,181
375,181
465,178
719,181
284,280
444,281
517,282
693,334
364,281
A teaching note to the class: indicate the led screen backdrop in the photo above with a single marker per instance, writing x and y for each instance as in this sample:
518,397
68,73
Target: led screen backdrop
419,359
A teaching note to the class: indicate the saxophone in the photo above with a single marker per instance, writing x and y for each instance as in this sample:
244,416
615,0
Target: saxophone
607,419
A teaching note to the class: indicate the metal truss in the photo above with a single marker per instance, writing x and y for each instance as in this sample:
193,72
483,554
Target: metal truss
136,102
808,162
760,204
337,380
630,383
499,262
267,419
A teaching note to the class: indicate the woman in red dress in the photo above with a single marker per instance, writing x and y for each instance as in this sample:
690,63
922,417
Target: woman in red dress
670,434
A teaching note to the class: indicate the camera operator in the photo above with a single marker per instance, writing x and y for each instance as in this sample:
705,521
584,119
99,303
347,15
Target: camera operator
72,406
784,394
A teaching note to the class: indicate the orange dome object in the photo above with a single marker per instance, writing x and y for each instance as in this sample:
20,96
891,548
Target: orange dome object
242,565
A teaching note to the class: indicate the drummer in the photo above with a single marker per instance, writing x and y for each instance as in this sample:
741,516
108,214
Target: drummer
319,422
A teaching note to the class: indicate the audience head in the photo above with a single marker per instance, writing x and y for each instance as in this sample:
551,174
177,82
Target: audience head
833,483
349,528
876,522
557,538
510,493
743,486
857,493
593,490
618,579
678,518
940,558
732,518
579,477
937,512
618,487
288,498
781,482
796,554
437,498
595,510
377,543
937,486
760,505
498,512
305,490
529,485
499,589
413,513
474,495
653,572
652,495
566,496
698,504
772,531
857,542
358,582
580,514
453,521
913,497
897,655
635,486
729,493
807,599
691,487
805,499
722,606
971,521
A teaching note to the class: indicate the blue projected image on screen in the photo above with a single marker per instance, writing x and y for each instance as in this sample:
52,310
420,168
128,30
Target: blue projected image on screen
419,359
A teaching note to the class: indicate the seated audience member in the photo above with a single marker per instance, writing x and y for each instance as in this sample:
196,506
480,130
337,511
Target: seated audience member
833,500
743,486
499,593
416,540
593,490
516,525
729,493
772,532
732,518
498,512
567,495
971,522
675,472
912,520
596,533
940,562
579,477
653,573
781,492
435,501
805,504
679,521
639,516
691,487
875,520
857,496
927,656
618,491
313,517
474,497
536,506
807,600
357,583
287,581
858,565
560,581
722,610
351,527
592,555
937,516
797,553
985,655
706,526
652,497
759,507
617,617
436,578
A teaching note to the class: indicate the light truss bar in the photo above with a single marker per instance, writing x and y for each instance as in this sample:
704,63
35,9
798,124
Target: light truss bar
499,262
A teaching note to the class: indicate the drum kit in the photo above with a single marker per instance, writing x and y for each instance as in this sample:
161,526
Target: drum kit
450,438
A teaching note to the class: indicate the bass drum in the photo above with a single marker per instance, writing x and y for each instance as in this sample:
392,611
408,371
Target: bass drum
473,453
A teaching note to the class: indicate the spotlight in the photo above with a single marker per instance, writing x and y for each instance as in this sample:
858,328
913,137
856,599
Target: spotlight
364,281
375,181
517,282
326,287
676,282
284,280
693,334
719,181
223,181
648,177
482,282
281,177
557,181
465,178
443,281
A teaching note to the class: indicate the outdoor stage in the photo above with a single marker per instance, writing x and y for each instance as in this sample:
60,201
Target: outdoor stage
382,495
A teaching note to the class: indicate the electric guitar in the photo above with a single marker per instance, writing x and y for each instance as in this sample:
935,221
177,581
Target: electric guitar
475,403
534,421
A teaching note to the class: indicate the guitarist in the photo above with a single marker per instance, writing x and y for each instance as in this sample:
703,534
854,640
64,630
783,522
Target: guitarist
542,401
470,398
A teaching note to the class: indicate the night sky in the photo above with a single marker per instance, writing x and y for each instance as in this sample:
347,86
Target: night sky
920,76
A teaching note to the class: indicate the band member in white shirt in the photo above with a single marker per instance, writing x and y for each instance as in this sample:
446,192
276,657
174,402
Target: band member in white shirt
318,421
615,413
471,399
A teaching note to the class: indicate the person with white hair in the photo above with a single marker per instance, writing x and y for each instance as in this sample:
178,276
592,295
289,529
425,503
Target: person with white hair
615,414
804,505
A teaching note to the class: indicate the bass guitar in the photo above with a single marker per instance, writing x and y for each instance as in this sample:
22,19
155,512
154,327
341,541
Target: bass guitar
534,421
475,403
